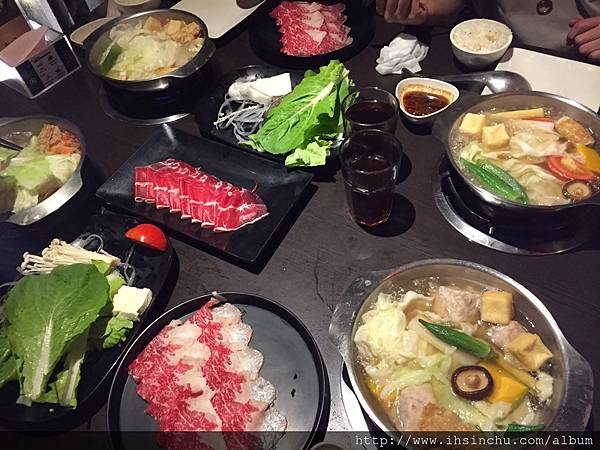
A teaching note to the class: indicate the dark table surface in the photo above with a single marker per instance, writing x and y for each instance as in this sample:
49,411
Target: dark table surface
325,249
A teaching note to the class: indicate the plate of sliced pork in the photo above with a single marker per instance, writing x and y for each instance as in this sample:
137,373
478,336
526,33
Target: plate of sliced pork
213,196
304,34
226,371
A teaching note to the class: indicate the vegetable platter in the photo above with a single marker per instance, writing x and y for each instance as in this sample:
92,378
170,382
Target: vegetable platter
300,126
62,371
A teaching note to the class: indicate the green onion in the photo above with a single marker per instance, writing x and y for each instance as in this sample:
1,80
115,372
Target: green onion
460,340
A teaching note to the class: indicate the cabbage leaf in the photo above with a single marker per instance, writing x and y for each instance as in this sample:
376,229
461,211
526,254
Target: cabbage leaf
45,314
107,332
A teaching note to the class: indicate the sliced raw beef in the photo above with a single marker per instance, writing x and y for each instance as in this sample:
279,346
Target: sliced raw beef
202,376
196,195
311,28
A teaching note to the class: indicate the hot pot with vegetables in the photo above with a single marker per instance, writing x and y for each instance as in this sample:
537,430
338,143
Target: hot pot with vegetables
447,345
526,152
149,51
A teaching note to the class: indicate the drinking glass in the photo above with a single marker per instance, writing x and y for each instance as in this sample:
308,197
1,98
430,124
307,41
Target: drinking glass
370,107
370,161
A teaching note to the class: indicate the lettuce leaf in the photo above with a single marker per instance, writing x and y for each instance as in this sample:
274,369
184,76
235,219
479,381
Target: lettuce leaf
309,114
45,314
9,365
315,154
107,332
64,389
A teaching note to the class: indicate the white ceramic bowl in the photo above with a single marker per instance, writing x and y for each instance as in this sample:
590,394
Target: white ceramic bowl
428,85
479,58
136,6
79,35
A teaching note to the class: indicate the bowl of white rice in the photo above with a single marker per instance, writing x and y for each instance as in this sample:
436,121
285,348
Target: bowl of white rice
480,42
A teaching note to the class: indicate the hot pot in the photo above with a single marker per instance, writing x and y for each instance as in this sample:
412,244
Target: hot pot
97,43
571,403
20,131
498,207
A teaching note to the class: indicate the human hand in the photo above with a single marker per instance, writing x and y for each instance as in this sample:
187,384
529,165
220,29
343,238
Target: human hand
408,12
585,34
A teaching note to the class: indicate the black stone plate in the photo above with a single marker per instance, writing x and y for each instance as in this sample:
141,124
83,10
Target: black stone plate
152,270
264,37
280,190
293,363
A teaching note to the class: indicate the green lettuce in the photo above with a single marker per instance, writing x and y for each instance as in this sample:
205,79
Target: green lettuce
310,114
64,389
9,365
45,314
107,332
115,281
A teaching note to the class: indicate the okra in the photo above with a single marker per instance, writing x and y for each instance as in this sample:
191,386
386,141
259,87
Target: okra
111,58
518,428
493,181
505,177
460,340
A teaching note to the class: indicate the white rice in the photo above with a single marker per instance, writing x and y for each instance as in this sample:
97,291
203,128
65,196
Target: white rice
481,35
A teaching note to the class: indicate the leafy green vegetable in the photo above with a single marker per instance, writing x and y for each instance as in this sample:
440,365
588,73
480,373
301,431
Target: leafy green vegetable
8,193
8,363
107,332
45,314
311,113
5,155
102,266
64,389
463,409
315,154
115,281
518,428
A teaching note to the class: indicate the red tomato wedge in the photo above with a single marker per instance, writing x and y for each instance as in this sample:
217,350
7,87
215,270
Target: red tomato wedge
148,235
567,168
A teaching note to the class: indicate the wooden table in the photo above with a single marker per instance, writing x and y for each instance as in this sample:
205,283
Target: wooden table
325,249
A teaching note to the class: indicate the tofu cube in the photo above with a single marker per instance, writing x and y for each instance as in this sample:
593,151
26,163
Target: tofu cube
174,26
472,124
497,307
529,349
494,137
152,24
130,302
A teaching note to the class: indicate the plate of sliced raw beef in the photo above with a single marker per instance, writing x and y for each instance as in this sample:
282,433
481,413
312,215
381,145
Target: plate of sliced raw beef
230,370
303,34
213,196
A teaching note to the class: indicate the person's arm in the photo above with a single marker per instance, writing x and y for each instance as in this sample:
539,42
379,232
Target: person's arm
418,12
585,34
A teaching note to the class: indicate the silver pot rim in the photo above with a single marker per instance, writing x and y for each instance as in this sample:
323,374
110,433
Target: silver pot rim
61,196
569,416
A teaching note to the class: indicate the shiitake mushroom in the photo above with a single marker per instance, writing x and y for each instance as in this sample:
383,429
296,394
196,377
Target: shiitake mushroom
472,382
577,190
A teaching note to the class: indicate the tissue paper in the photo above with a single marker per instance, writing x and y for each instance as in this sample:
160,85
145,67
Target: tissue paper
404,52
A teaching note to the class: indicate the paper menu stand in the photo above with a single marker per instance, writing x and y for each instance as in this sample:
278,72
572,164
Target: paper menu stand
43,68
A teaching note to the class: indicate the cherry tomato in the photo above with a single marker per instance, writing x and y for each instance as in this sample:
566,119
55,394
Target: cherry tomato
567,168
148,235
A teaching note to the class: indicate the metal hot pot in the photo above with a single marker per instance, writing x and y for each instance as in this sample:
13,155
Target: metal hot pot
97,43
447,125
571,403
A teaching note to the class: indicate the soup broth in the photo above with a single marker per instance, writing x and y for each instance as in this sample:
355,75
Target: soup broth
412,372
531,156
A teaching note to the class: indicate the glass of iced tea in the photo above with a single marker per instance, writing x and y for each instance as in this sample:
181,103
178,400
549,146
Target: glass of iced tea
370,107
370,161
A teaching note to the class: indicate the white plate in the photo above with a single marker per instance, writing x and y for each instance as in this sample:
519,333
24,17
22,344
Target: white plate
220,16
571,79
